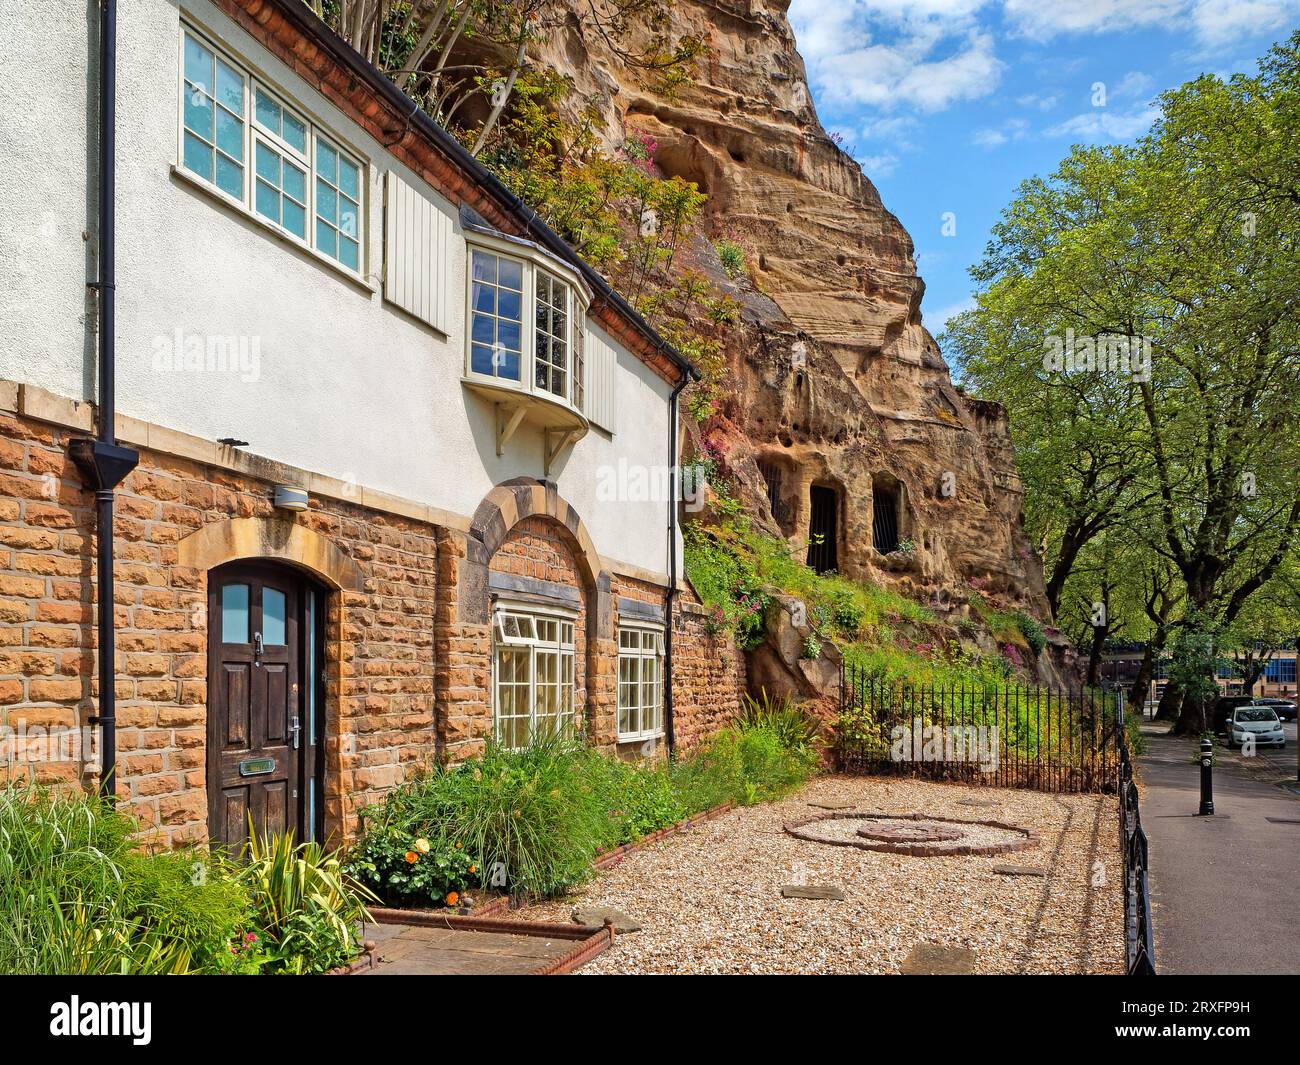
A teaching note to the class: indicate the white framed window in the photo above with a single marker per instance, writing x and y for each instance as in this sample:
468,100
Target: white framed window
244,139
551,352
579,368
497,315
640,683
214,125
533,676
279,164
338,204
525,325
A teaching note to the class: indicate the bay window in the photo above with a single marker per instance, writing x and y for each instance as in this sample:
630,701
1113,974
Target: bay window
640,683
497,310
533,676
552,359
524,326
241,138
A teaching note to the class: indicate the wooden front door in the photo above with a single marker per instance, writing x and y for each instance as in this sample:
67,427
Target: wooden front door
262,764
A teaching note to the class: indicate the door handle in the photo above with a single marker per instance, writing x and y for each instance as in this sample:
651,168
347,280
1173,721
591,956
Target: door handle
296,728
257,648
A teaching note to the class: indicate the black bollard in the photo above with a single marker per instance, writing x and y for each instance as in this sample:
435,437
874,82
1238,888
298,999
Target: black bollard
1207,778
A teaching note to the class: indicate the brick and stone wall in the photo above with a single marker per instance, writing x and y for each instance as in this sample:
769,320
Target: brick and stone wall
708,675
407,643
171,513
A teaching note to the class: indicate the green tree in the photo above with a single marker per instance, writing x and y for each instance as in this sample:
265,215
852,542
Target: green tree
1185,244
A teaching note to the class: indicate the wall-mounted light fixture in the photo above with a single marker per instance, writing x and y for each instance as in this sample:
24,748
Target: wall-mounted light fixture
289,498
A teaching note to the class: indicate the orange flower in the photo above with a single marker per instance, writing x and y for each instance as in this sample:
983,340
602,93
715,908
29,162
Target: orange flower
472,869
452,898
458,846
412,857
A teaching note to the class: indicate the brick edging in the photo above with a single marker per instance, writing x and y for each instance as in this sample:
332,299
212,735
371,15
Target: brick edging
918,850
606,859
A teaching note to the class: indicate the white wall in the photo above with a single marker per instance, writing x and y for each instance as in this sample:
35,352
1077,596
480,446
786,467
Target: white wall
347,385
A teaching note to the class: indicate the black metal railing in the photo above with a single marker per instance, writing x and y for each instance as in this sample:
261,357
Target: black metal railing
1139,952
1001,735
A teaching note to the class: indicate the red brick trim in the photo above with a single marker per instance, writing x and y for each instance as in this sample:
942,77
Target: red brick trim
610,858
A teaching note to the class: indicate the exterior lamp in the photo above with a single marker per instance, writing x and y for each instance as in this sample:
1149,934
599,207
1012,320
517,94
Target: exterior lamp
291,499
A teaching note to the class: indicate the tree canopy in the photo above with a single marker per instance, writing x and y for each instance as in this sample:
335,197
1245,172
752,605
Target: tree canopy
1139,317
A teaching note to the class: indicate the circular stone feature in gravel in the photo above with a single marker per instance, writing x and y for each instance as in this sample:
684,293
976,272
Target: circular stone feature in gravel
913,833
916,832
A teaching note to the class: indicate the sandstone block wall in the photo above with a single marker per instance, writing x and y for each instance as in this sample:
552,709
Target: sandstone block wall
407,642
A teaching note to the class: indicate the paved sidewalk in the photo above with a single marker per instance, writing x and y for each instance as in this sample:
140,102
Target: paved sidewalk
1225,889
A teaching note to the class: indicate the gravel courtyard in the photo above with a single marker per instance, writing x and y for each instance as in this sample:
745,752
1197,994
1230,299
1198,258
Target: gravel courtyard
709,898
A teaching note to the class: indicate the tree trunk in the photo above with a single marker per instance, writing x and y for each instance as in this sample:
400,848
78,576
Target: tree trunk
1191,716
1094,654
1170,701
1141,689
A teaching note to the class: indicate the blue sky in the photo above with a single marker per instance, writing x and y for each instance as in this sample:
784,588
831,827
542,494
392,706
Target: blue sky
950,104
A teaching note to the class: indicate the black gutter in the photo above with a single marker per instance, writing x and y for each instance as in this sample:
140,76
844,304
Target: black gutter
675,481
308,23
102,462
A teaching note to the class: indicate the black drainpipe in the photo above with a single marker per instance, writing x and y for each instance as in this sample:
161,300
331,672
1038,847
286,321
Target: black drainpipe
102,462
675,481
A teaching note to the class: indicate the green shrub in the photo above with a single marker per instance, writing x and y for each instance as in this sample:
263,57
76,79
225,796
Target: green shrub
529,818
1032,632
406,869
708,776
540,815
309,908
638,798
732,256
728,584
76,898
796,726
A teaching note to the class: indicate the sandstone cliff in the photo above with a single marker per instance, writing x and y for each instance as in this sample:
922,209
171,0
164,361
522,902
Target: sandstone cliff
838,385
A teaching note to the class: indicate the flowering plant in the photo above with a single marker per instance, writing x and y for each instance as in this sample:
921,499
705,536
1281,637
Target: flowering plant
414,870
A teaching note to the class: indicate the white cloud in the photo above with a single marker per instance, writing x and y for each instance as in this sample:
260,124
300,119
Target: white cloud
905,74
1221,22
888,128
1214,22
879,166
1038,101
891,54
940,317
1134,85
1102,125
1042,20
1013,129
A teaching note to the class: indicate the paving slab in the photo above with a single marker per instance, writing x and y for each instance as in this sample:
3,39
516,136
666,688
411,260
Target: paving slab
933,959
813,891
416,950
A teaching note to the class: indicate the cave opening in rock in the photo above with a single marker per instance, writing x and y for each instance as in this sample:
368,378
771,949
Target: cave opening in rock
778,500
823,528
884,514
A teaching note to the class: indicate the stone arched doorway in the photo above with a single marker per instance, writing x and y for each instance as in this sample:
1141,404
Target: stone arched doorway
251,698
266,710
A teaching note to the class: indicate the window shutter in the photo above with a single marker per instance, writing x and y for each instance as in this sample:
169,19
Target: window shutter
602,370
417,254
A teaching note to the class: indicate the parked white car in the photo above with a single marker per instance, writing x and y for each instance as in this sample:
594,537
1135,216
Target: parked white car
1258,722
